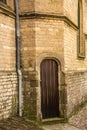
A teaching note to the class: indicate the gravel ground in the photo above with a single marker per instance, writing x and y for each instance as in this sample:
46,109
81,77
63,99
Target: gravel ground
77,122
16,123
80,119
61,126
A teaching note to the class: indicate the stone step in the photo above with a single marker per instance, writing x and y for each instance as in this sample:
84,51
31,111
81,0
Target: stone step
53,120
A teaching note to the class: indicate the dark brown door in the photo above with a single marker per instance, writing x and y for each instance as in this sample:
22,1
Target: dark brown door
49,89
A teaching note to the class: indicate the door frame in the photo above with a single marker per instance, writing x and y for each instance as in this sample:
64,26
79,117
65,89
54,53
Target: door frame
60,63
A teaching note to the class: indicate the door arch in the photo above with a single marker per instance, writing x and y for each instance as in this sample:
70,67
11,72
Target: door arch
49,88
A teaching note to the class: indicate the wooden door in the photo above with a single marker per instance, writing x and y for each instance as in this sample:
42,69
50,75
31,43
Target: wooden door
49,89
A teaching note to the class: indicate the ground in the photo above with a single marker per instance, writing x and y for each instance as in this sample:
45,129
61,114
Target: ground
17,123
80,119
76,122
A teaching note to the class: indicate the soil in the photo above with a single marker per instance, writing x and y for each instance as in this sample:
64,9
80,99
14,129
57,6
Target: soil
17,123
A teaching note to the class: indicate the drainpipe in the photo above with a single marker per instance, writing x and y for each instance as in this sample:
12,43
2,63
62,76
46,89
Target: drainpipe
18,64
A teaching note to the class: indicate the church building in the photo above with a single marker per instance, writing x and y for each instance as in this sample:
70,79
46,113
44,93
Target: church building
43,58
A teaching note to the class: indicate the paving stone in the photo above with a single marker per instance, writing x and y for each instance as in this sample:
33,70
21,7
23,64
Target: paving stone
60,127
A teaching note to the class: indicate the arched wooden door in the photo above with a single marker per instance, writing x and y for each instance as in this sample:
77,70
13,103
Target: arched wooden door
49,89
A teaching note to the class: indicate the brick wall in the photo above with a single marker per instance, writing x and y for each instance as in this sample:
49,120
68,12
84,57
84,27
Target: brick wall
28,59
46,6
49,36
26,6
71,10
35,39
8,94
30,89
7,40
28,50
8,76
10,3
49,6
75,71
70,51
85,16
76,90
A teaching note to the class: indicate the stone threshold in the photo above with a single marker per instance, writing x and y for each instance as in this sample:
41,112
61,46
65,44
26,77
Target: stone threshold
53,120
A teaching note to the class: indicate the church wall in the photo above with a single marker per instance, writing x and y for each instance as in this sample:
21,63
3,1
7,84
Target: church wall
38,36
70,51
26,6
75,71
49,36
76,90
28,59
53,32
28,45
85,16
8,94
75,68
49,7
10,4
49,29
39,6
71,10
8,76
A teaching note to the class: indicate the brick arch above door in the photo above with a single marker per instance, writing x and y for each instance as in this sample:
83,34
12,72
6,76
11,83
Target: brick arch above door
58,58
